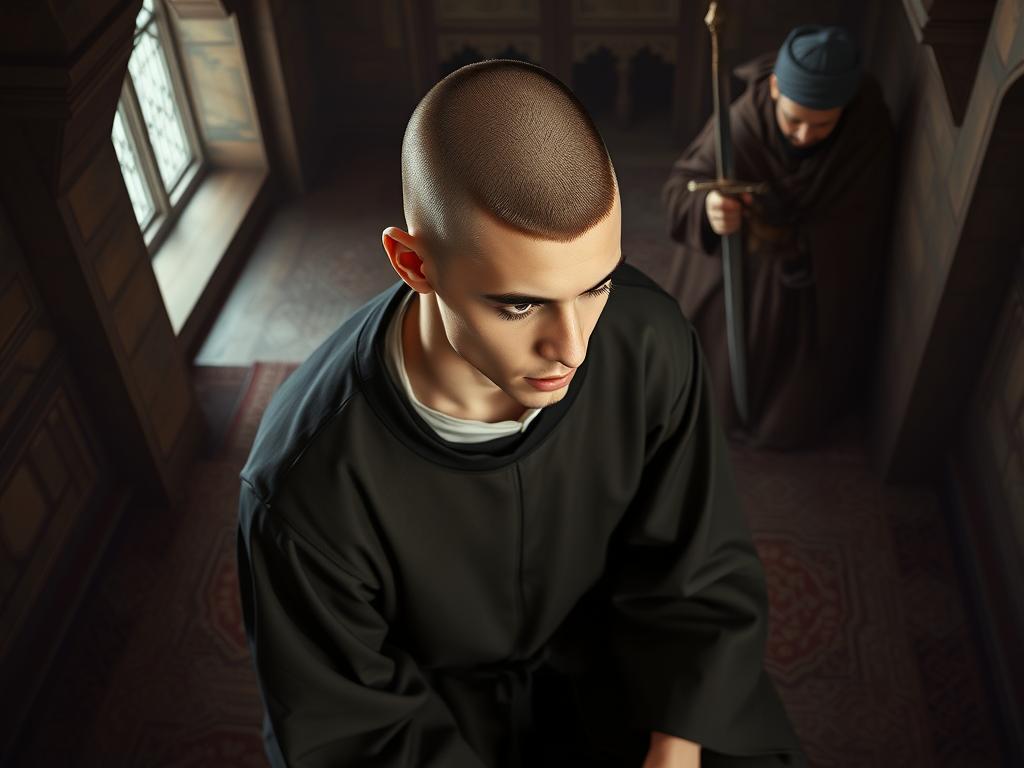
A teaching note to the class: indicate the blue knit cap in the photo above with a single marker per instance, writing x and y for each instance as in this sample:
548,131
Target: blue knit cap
818,67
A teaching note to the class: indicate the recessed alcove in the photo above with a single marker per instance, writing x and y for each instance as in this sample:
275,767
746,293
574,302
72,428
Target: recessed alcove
956,31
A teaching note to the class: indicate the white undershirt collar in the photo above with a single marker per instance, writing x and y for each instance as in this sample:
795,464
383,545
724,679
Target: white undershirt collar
447,427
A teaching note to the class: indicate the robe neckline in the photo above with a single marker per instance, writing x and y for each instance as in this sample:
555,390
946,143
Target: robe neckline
393,408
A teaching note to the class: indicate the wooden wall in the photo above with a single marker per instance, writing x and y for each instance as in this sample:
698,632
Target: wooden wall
952,251
995,418
97,400
98,416
948,384
989,466
55,483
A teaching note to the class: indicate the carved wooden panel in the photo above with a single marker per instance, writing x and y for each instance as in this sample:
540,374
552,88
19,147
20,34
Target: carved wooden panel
42,497
94,194
49,458
486,11
164,385
615,12
114,261
26,341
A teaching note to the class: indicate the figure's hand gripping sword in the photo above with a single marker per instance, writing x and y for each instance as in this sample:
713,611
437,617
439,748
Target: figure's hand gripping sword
732,245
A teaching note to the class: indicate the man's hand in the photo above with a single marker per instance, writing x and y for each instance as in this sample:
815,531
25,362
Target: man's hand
725,213
667,751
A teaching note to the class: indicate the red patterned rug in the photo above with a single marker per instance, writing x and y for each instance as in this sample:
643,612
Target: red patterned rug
869,642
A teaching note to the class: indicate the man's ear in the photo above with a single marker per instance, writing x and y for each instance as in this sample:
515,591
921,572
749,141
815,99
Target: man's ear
773,87
403,252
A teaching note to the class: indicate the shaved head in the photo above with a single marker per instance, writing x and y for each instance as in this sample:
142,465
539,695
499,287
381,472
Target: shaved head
507,140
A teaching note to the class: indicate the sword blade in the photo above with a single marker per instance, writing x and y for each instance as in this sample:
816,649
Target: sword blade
732,245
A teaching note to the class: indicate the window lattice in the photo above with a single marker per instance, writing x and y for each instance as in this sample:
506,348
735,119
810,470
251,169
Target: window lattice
128,157
154,131
152,80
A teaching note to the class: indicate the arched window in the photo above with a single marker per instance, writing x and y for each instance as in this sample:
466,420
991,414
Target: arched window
154,132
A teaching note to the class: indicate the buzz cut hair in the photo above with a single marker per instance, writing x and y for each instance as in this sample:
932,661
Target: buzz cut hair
507,139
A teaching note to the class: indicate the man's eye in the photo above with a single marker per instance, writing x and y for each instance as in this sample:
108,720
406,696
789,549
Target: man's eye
518,311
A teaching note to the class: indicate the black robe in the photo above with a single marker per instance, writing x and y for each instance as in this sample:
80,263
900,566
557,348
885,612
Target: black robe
552,596
813,254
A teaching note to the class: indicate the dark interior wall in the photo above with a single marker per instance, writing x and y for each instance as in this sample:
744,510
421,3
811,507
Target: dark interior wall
54,474
948,375
373,60
992,461
893,57
47,37
98,414
941,272
364,66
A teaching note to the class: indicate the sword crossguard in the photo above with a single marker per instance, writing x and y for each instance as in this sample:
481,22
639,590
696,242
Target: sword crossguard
728,187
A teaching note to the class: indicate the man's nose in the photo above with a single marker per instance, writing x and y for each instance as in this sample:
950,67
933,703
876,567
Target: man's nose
563,339
802,133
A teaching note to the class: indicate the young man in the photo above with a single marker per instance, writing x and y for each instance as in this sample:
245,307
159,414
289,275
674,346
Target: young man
816,129
491,521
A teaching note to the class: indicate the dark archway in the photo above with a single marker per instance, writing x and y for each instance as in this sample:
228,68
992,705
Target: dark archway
595,82
470,55
650,87
467,55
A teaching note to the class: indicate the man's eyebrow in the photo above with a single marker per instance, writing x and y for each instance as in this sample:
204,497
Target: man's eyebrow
793,119
511,299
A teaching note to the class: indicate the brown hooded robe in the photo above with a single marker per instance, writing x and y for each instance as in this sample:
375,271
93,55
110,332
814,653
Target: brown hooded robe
814,248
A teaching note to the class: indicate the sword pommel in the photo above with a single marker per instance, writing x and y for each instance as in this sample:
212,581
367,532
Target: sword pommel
713,18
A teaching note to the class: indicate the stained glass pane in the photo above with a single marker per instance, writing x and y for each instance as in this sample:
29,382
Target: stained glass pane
148,68
128,157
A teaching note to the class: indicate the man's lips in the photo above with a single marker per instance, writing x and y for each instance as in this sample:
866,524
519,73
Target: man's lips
550,384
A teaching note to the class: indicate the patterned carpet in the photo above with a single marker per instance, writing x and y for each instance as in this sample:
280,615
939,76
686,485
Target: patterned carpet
869,643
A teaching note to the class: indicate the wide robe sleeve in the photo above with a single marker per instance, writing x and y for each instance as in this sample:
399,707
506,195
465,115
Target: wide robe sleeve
688,601
687,219
336,692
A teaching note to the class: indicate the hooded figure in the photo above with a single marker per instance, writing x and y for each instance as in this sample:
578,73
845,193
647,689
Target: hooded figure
813,127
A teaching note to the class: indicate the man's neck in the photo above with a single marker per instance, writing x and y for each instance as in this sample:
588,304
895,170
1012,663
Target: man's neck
440,378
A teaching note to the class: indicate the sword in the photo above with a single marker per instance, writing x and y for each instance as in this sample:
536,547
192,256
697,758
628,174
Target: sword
732,245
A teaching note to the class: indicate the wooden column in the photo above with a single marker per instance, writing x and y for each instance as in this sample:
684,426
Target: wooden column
72,216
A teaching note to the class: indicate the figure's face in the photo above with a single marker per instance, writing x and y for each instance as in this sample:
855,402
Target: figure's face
491,314
803,127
